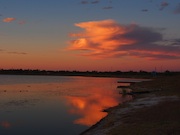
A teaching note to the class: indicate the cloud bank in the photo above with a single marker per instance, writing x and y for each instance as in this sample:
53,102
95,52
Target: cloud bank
109,39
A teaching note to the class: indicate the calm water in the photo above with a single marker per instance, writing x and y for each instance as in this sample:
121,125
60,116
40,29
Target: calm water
54,105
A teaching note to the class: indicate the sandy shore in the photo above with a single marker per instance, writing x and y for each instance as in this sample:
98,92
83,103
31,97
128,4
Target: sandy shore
154,113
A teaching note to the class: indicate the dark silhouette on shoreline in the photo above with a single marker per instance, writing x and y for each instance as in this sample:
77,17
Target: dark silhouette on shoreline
85,73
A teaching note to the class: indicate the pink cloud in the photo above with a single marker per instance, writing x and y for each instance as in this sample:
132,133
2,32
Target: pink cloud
9,19
163,5
22,22
107,38
177,9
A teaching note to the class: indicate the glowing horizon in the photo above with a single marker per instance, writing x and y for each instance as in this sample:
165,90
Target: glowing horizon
108,36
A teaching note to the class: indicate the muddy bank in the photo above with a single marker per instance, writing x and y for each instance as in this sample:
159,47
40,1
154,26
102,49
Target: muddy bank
156,112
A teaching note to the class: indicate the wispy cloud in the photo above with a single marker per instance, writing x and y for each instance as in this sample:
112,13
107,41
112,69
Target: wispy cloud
18,53
84,2
13,52
95,1
1,51
89,2
163,5
107,38
108,7
177,9
92,2
9,19
172,42
144,10
22,22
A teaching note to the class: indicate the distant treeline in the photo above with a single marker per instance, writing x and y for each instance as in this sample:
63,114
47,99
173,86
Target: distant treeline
83,73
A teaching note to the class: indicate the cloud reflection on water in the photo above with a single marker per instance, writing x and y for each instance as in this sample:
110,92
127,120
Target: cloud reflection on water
90,108
83,97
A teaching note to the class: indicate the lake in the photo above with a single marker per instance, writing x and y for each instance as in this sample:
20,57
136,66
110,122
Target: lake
54,105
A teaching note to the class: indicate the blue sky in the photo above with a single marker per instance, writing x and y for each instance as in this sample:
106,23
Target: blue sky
42,27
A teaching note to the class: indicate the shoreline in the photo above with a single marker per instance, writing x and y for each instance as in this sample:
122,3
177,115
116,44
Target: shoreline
163,90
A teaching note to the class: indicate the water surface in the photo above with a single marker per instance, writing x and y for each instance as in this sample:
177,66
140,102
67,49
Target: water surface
57,105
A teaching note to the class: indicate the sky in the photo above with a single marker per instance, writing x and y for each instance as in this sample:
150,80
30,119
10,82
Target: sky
88,35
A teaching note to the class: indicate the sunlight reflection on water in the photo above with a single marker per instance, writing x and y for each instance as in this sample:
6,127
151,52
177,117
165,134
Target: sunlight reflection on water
54,105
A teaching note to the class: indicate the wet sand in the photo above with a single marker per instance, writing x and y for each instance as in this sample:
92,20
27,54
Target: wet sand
156,112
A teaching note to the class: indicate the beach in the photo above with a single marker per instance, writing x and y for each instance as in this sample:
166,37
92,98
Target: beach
156,112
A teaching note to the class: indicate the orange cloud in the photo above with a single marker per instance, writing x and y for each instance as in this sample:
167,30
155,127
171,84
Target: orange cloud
107,38
9,19
97,37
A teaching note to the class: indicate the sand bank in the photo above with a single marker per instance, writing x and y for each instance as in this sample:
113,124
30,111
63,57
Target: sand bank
157,111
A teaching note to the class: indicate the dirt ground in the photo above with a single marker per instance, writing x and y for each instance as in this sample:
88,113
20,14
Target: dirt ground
153,113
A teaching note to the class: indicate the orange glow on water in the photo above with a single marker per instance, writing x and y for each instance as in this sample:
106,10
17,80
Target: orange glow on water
5,124
91,108
85,97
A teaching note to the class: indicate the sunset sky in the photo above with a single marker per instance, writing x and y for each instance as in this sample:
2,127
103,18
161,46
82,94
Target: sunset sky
102,35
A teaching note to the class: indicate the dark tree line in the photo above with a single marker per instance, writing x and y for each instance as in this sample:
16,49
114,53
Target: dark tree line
81,73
